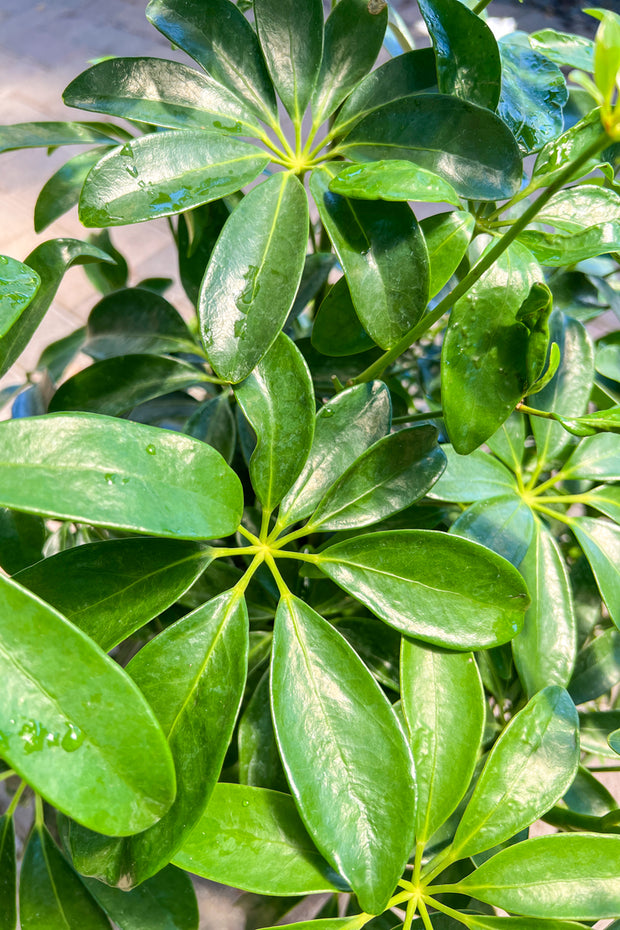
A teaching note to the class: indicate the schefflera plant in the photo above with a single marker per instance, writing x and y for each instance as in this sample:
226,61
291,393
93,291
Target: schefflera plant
322,785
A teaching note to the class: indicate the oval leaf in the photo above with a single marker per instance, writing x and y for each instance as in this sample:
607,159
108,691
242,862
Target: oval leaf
430,586
600,541
167,900
447,237
321,689
18,285
337,330
62,191
393,180
473,477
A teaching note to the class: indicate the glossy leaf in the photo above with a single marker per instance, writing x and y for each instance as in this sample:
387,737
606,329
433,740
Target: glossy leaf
321,689
473,477
614,741
468,62
569,390
508,443
18,286
110,589
213,423
49,261
555,156
259,761
600,541
444,706
402,76
606,499
447,237
484,369
592,423
277,399
580,207
595,459
64,705
383,255
393,473
51,895
254,839
167,901
47,134
533,94
597,668
596,728
114,386
217,35
193,675
566,876
393,180
62,191
369,406
161,93
504,524
111,472
330,923
21,540
8,874
164,173
253,275
530,767
567,248
430,586
442,134
337,330
291,36
353,38
544,650
564,48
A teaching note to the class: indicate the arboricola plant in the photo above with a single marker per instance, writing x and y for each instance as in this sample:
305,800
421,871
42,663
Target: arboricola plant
301,595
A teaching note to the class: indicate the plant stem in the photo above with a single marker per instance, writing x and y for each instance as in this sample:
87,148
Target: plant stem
523,408
6,774
489,258
244,581
419,417
411,909
480,6
279,580
39,817
553,514
447,910
437,865
424,915
16,799
249,536
302,556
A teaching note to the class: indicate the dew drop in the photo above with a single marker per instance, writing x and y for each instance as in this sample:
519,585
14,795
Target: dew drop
328,412
127,151
151,449
109,478
72,739
132,171
246,803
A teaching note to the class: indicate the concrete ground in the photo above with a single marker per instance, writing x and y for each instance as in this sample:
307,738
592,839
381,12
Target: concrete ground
44,45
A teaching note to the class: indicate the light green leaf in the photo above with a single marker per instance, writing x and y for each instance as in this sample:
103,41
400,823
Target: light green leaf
566,49
473,477
444,706
110,472
277,399
253,275
600,541
595,458
62,191
555,156
597,669
71,720
48,134
434,587
253,838
18,286
321,689
504,524
606,499
393,180
447,238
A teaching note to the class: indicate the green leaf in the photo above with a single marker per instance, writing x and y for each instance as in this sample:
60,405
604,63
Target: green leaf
568,391
366,405
218,36
544,650
49,261
567,248
600,541
18,286
606,499
468,62
253,275
259,761
530,767
597,668
21,540
594,459
402,76
135,321
330,923
213,423
569,876
508,443
353,38
600,421
164,173
161,93
253,838
444,706
533,94
71,720
337,330
277,399
48,134
564,48
555,156
114,386
322,690
473,477
393,473
51,895
442,134
110,472
447,237
383,255
484,368
62,191
291,37
434,587
606,52
504,524
393,180
110,589
596,728
8,874
193,675
581,207
166,901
